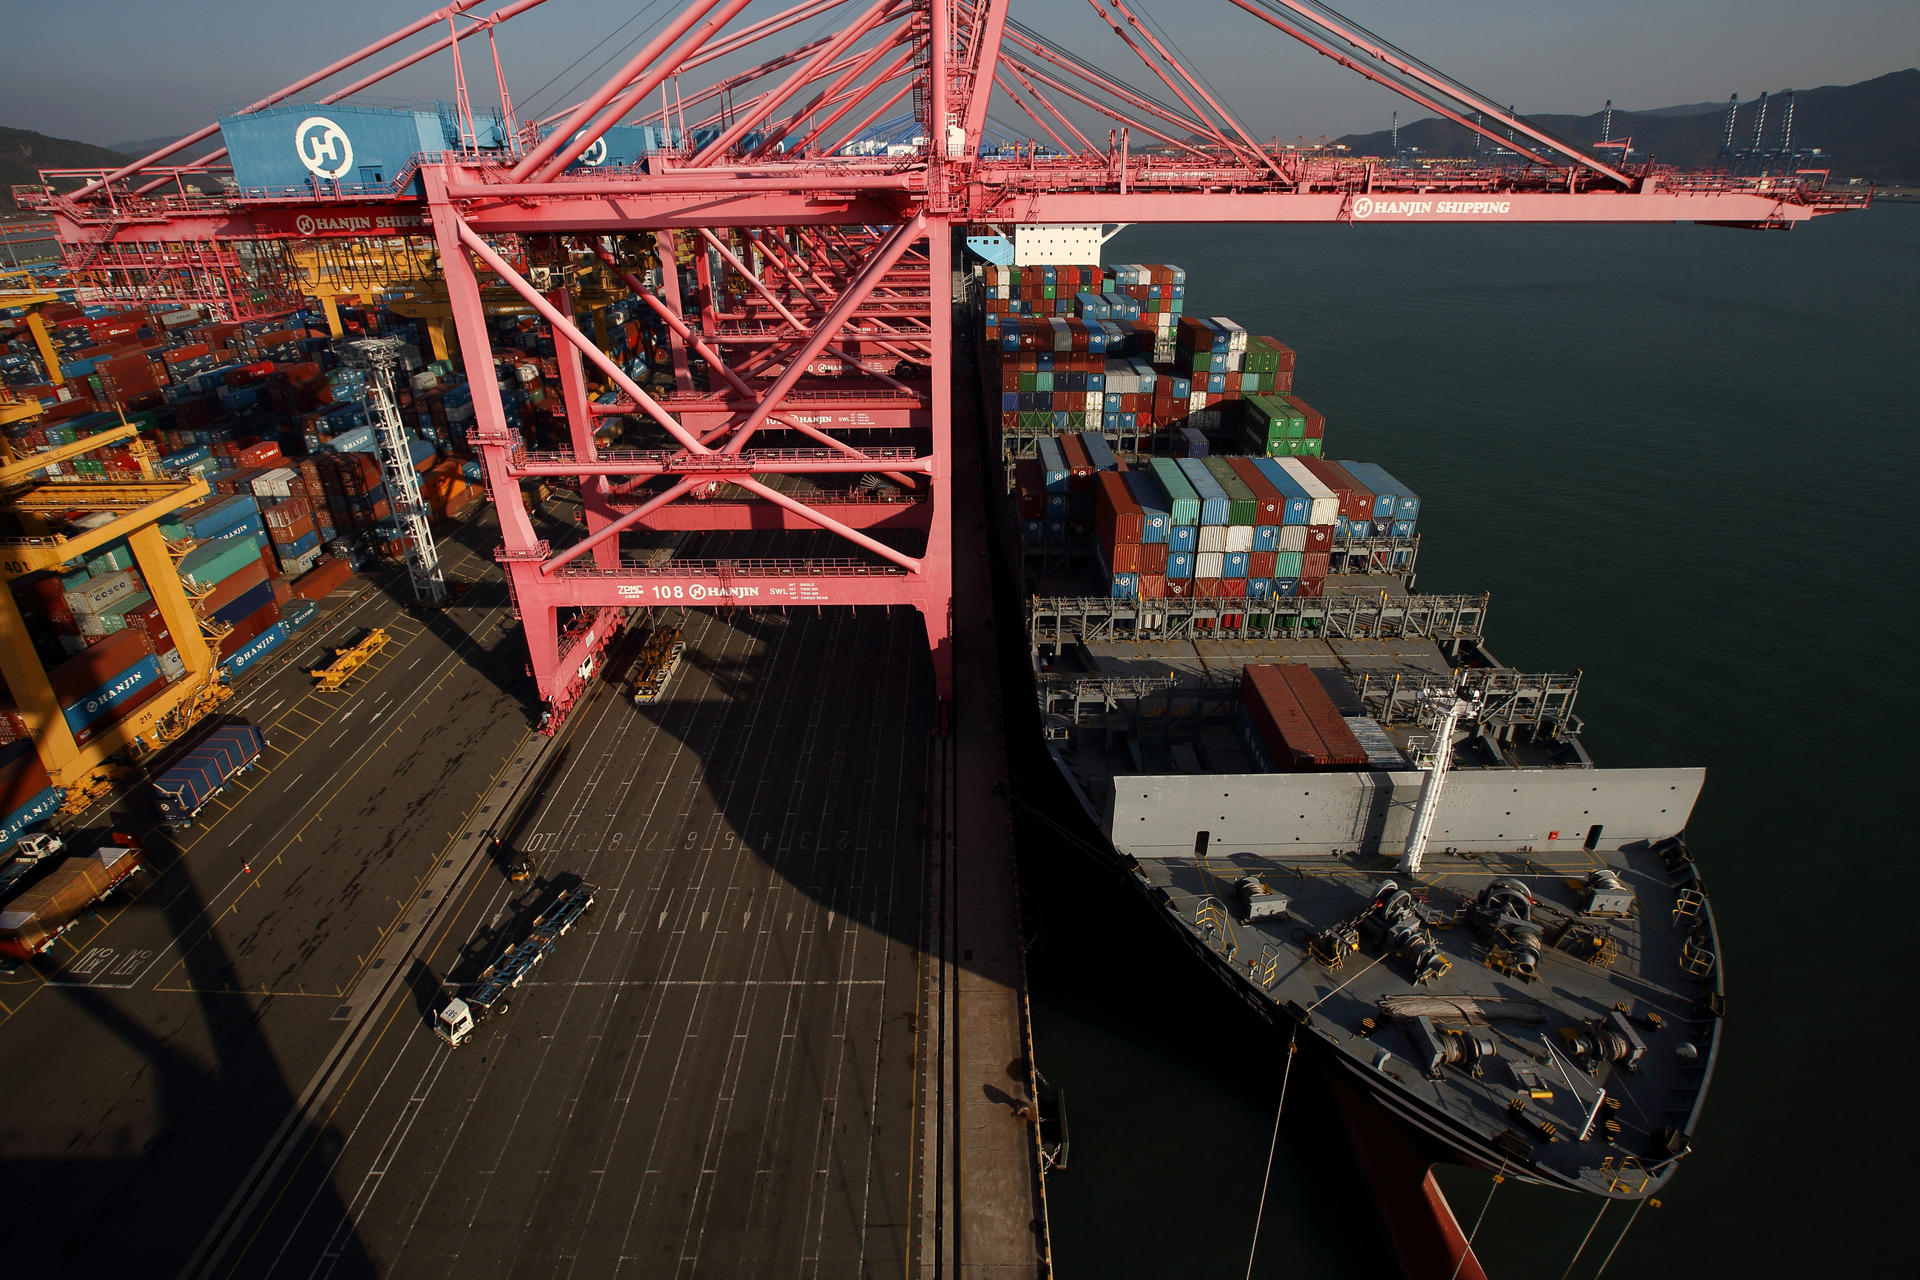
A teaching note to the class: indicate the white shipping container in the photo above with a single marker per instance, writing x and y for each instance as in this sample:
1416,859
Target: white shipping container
172,665
97,593
1325,505
1213,537
1239,537
301,563
1293,537
1209,564
277,483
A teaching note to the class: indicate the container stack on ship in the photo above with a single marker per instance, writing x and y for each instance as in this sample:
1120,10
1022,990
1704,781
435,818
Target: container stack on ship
1382,838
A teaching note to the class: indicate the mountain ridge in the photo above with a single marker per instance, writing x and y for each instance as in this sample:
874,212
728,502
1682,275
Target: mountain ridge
1870,129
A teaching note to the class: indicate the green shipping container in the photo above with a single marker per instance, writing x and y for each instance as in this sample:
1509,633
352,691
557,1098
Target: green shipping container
111,559
1184,502
214,562
1242,507
114,616
1256,442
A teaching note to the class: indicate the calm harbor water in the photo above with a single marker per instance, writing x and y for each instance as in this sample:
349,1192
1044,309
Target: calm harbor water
1684,460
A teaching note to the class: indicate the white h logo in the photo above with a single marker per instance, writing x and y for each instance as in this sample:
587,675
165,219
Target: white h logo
323,147
596,152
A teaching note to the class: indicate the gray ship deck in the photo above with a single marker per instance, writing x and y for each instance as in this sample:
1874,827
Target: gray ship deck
1647,974
1141,724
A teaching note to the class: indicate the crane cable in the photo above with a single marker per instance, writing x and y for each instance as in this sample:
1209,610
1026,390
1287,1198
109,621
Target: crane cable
1591,1228
1466,1250
1293,1047
1621,1239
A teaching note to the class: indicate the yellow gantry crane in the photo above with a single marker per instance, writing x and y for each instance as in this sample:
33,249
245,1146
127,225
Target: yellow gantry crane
17,289
137,506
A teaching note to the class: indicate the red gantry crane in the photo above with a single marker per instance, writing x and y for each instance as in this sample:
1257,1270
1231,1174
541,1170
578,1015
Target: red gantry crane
822,309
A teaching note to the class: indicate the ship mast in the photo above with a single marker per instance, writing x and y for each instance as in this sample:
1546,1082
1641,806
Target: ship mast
1449,707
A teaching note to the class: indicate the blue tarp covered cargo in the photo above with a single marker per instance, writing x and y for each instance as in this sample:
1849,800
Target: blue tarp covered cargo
199,775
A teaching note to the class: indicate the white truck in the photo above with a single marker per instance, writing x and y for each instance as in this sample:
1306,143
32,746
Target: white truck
457,1019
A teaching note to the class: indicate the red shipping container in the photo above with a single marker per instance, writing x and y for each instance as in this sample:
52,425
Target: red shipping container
1342,748
22,776
1207,588
249,627
265,454
285,512
282,591
294,532
1319,538
1116,514
323,579
43,596
1315,564
1356,500
1153,558
1233,588
1123,557
1030,495
1153,586
80,675
1312,588
1180,587
231,588
147,618
1260,564
1268,503
1080,470
1273,708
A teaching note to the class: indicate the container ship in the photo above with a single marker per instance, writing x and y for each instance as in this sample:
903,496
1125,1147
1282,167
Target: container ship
1387,842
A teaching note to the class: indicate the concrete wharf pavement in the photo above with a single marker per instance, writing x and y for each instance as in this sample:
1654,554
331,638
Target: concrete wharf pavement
728,1068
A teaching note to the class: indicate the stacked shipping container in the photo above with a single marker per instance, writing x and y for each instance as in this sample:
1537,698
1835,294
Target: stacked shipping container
1288,722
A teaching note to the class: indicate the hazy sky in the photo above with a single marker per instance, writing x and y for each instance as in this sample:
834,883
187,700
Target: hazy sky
107,71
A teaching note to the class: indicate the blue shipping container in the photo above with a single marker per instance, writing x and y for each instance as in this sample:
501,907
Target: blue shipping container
254,650
1406,504
43,805
1155,520
1298,504
98,705
245,605
1213,499
1053,466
